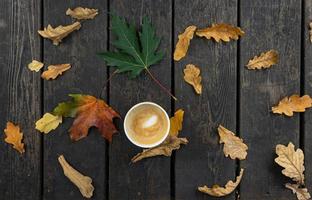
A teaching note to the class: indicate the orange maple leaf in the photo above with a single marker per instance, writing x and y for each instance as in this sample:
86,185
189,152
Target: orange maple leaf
14,137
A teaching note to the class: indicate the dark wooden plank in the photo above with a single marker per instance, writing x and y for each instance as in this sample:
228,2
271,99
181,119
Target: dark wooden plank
147,179
202,161
87,76
20,175
269,25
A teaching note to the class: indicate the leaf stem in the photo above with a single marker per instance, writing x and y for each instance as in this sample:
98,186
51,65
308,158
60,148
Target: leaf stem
108,80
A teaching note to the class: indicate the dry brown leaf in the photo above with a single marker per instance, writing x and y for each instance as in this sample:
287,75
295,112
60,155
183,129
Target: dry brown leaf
265,60
82,13
292,162
192,76
183,43
84,183
54,71
310,31
35,66
58,33
14,136
219,32
302,193
166,148
176,122
218,191
294,103
233,145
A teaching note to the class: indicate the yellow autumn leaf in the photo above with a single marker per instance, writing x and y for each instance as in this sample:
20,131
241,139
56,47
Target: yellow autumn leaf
192,76
82,13
301,192
35,65
48,123
218,32
265,60
218,191
183,43
14,136
233,145
176,122
54,71
294,103
58,33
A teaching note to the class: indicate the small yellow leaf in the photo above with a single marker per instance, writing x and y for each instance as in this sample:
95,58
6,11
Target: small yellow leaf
54,71
219,32
265,60
183,43
14,137
35,65
176,122
48,123
233,145
192,76
58,33
294,103
218,191
82,13
302,193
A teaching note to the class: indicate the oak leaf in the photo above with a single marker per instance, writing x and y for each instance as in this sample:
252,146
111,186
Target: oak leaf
218,191
88,112
82,13
233,145
192,76
176,122
55,70
294,103
265,60
58,33
35,65
183,43
219,32
48,123
84,183
302,193
14,136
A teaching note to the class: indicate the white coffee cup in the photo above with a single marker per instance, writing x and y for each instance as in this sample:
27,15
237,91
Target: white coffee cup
127,121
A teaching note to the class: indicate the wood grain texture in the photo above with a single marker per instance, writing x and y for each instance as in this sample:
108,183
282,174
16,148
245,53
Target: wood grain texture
150,178
87,76
269,25
202,161
20,98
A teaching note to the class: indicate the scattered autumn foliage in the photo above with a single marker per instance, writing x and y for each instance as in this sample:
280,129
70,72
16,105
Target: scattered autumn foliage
183,43
176,122
14,136
55,70
265,60
82,13
48,123
35,66
294,103
192,77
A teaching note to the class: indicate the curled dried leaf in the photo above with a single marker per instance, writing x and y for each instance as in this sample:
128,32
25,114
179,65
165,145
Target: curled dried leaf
82,13
294,103
48,123
55,70
14,136
35,65
265,60
218,191
302,193
176,122
84,183
183,43
233,145
219,32
192,76
58,33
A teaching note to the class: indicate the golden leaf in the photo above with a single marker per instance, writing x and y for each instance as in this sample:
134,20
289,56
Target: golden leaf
35,65
218,191
82,13
233,145
265,60
55,70
192,76
166,148
292,162
14,137
58,33
224,32
84,183
183,43
48,123
176,122
302,193
294,103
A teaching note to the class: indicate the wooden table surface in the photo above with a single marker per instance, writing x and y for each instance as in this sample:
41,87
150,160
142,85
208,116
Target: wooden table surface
233,96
